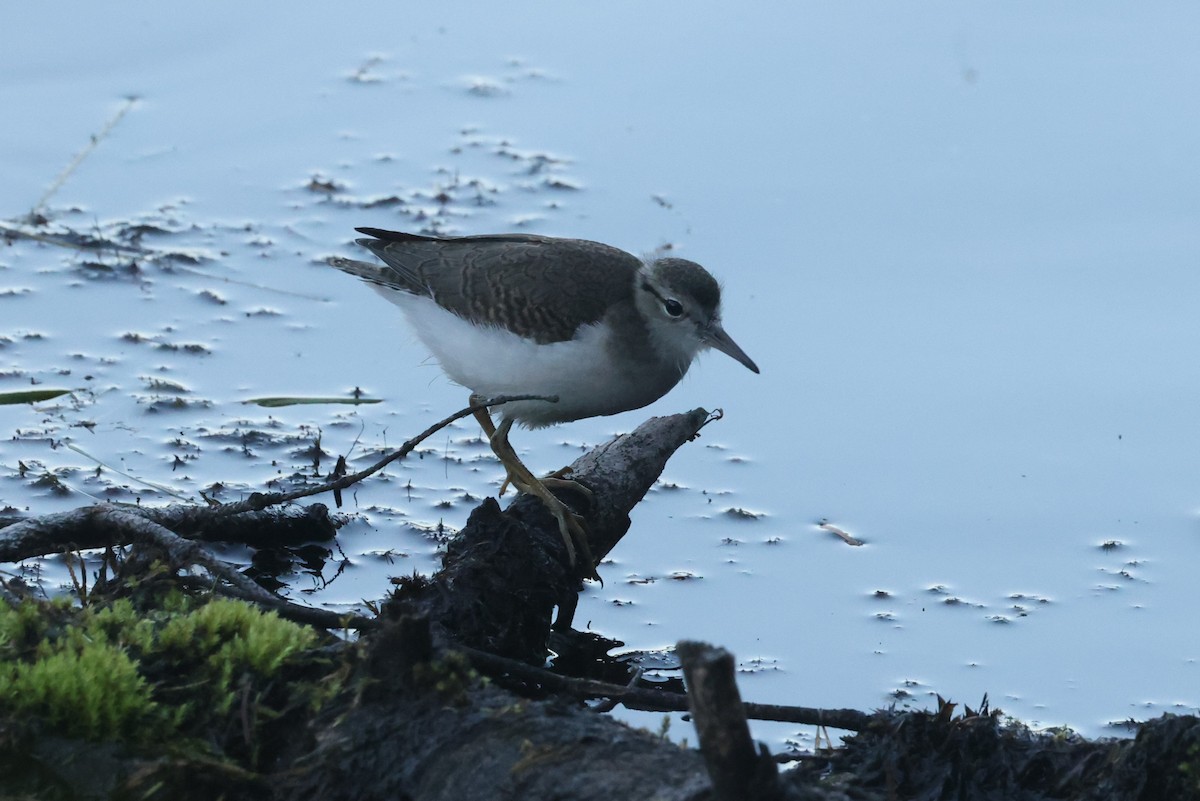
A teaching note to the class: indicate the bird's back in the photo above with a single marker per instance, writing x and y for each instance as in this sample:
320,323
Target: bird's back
538,287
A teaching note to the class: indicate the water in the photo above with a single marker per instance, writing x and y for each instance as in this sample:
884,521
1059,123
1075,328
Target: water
961,241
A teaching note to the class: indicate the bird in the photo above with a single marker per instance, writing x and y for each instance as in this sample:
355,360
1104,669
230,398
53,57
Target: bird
523,314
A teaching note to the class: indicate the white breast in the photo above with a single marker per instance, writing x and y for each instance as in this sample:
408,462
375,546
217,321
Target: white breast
492,361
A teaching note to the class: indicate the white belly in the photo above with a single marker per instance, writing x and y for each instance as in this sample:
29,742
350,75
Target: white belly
492,361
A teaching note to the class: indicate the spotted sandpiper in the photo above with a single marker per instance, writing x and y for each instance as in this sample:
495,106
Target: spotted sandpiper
510,314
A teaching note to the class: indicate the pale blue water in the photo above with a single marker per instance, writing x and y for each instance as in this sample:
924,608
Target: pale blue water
961,240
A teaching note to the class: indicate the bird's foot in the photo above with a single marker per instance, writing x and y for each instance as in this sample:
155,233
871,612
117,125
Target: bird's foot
556,481
570,525
519,476
573,529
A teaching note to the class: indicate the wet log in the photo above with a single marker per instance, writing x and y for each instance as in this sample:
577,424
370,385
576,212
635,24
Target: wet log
740,770
500,581
93,527
489,744
507,571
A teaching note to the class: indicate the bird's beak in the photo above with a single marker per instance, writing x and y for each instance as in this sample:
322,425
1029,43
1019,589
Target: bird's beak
717,338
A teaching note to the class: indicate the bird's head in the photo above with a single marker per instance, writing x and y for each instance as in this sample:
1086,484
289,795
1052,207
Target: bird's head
681,304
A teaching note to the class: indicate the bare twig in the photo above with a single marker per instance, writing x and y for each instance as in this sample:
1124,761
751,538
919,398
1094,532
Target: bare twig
845,537
185,552
658,700
261,500
95,140
71,240
157,487
609,704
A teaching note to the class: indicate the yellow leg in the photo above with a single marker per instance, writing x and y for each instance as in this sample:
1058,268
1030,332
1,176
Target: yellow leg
571,527
484,418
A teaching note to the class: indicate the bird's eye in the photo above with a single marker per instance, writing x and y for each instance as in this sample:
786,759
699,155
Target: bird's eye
673,307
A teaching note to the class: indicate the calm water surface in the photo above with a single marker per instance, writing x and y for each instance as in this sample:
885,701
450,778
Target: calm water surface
961,241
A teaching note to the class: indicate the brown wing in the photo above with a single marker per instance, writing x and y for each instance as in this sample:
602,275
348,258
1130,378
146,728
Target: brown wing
540,287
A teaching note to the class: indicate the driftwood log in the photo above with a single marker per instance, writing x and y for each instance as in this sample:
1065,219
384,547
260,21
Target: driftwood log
503,577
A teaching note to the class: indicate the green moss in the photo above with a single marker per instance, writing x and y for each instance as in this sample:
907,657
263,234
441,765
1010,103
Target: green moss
235,636
120,624
114,673
232,642
25,625
95,693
